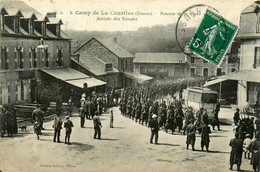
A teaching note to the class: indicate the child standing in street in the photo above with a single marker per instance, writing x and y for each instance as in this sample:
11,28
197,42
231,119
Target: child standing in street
37,129
68,128
111,119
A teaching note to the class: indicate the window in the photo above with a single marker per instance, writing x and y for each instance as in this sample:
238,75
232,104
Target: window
46,57
17,24
126,63
122,64
257,57
142,69
131,64
205,61
4,93
22,90
19,58
31,27
219,70
176,71
233,69
192,60
192,72
59,57
44,28
205,72
33,57
257,22
4,59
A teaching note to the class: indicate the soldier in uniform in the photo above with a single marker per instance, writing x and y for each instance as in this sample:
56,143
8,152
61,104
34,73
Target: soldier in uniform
191,138
2,121
255,148
82,115
111,118
236,152
97,126
205,117
179,118
236,117
154,129
8,121
68,129
70,106
138,112
57,127
129,108
205,131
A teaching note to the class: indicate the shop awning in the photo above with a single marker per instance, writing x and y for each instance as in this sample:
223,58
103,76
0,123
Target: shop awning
73,77
92,82
249,76
139,78
212,82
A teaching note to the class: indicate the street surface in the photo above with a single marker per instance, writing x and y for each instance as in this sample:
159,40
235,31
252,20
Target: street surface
125,147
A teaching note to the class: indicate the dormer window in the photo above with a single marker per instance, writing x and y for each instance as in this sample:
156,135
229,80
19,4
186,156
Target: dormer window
43,29
40,25
54,26
2,18
13,20
108,67
27,23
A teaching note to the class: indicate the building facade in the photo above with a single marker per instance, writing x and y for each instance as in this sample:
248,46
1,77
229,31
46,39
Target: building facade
161,65
249,35
180,65
115,63
22,57
200,67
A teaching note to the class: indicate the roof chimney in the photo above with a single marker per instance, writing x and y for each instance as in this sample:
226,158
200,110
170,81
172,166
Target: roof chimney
51,14
115,39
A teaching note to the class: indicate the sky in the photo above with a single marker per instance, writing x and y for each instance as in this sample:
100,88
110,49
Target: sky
82,14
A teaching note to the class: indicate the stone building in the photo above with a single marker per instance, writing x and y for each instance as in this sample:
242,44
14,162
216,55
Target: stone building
161,64
180,65
105,59
32,45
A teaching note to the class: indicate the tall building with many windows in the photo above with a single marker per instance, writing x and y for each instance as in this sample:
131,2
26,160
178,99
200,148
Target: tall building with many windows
29,42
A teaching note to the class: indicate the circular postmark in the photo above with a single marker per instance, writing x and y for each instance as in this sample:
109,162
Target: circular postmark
191,20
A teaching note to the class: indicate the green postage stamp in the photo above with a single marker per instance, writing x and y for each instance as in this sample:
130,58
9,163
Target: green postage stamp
213,38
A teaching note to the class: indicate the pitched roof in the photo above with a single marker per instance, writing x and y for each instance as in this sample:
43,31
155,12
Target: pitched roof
55,20
14,12
251,8
159,58
111,45
94,65
29,14
3,10
16,4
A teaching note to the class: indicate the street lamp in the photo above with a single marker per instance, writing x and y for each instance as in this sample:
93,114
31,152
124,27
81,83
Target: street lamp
40,48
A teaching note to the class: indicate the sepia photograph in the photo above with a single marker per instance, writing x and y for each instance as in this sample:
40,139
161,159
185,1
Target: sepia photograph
129,85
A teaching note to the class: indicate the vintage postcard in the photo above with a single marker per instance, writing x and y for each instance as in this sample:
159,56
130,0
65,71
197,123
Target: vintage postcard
129,85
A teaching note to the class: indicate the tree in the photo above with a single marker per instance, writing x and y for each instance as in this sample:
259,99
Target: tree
46,93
